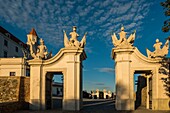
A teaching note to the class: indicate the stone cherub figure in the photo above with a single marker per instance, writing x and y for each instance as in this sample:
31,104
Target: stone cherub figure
73,42
159,52
123,42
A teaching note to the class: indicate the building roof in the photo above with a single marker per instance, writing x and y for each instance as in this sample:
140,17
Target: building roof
12,37
33,32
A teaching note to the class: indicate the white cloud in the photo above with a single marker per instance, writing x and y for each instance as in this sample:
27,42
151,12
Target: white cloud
50,17
88,49
138,17
102,84
105,70
123,9
130,26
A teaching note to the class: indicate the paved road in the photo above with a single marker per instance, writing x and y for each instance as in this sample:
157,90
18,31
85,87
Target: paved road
93,106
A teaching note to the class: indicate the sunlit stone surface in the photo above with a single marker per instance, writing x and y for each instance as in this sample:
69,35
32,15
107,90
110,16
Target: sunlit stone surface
128,61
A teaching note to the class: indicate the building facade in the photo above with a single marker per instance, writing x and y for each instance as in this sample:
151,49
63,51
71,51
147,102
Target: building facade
12,55
10,46
57,89
13,67
101,94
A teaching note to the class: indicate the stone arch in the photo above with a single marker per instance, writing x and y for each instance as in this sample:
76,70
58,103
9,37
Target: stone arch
67,61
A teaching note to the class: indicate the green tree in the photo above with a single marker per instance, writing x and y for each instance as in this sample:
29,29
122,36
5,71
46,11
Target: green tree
166,6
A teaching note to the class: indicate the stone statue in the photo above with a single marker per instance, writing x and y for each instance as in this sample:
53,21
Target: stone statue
73,42
122,34
158,51
123,42
36,51
74,35
25,53
42,50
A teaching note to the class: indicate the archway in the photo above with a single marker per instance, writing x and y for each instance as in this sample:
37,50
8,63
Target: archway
144,89
68,61
57,91
54,91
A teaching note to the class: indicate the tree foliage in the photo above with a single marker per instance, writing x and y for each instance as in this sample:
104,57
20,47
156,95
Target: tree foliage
166,6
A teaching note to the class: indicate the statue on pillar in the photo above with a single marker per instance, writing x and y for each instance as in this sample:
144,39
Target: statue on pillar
159,52
42,50
74,37
122,34
123,42
73,42
37,51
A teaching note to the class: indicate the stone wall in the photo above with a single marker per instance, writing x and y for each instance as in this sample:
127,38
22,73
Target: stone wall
14,93
9,89
24,94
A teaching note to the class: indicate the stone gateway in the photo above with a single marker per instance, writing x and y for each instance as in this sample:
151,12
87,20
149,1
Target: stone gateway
129,61
67,61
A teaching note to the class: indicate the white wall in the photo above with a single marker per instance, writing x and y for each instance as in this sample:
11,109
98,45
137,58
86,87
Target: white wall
16,65
10,48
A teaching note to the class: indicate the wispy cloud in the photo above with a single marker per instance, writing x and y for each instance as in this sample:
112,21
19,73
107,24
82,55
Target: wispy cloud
99,84
50,17
95,83
105,70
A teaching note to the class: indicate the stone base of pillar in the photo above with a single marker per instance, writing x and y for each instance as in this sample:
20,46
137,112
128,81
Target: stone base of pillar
160,104
35,104
125,104
71,105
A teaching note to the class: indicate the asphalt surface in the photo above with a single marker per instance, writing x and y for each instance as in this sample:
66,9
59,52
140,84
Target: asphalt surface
92,106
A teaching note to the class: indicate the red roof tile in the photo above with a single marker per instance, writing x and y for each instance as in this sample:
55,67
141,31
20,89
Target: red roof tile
33,32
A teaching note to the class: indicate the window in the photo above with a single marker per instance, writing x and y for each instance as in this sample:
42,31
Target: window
12,73
16,49
5,54
6,43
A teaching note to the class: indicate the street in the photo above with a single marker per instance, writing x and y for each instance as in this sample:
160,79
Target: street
92,106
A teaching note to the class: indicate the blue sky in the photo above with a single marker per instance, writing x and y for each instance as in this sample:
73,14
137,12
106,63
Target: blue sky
99,18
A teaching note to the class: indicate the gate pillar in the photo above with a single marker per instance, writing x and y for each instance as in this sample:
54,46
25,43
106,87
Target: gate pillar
124,79
35,84
72,99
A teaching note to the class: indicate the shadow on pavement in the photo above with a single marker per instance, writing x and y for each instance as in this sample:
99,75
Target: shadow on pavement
92,106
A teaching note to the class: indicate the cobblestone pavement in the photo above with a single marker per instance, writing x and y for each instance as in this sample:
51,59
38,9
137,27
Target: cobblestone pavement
95,106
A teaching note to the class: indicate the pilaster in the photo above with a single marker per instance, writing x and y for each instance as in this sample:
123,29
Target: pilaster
124,78
73,81
35,84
